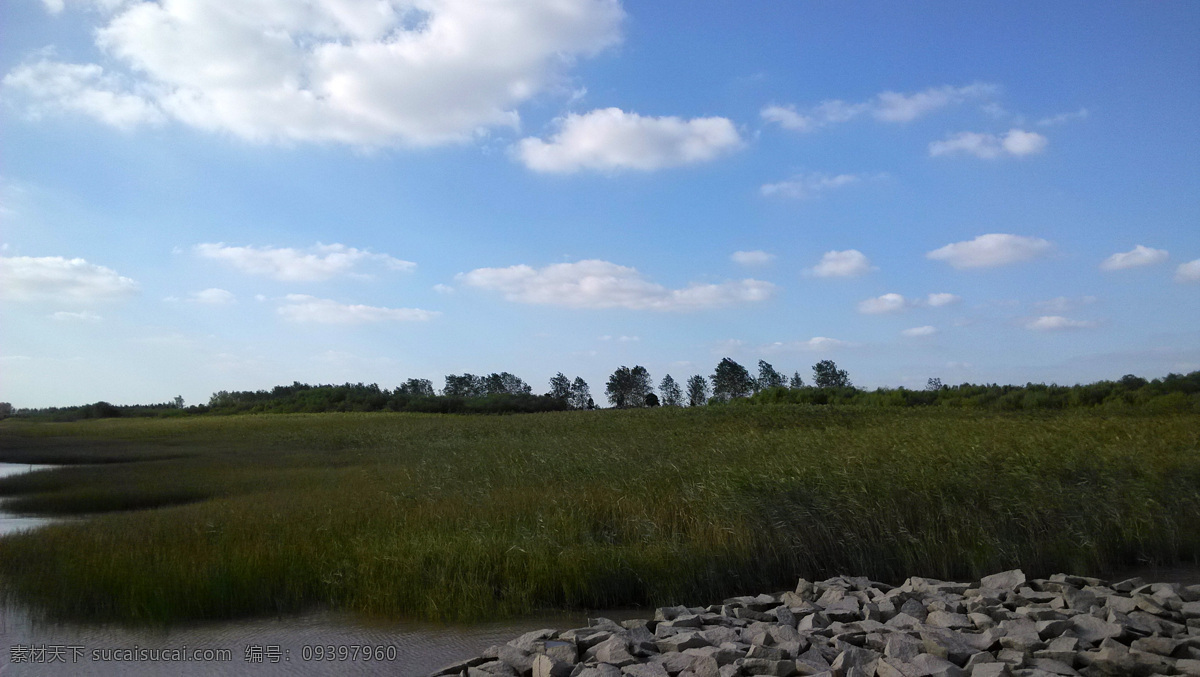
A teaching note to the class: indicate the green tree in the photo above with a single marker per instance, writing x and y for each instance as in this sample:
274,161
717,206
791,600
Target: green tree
466,386
672,396
697,388
628,387
768,377
827,375
416,387
731,380
560,387
581,397
934,384
796,382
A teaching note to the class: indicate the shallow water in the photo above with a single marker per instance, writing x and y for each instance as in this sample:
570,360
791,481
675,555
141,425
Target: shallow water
266,647
9,522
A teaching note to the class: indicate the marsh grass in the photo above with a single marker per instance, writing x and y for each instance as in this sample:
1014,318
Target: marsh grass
466,517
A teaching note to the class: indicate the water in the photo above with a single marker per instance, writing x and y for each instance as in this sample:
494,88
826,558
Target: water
252,645
9,522
260,647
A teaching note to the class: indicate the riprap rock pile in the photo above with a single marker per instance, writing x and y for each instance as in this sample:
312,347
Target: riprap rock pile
1002,626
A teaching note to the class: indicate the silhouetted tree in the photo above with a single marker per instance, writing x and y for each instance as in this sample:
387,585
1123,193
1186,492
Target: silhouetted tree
560,387
768,377
629,387
827,375
651,400
933,384
672,396
581,397
697,388
416,387
796,382
731,380
465,386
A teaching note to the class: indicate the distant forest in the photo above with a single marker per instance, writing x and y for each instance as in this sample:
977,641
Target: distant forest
632,387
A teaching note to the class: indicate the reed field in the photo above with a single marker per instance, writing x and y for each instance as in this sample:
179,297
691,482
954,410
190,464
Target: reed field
461,517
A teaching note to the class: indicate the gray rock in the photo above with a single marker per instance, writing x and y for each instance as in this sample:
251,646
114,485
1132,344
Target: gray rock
1005,580
991,670
602,670
681,641
643,670
545,666
952,621
613,650
531,641
1093,630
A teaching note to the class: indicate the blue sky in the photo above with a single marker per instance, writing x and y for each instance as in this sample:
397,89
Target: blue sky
200,196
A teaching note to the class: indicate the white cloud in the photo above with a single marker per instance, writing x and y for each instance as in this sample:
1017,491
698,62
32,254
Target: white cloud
808,185
53,6
927,330
888,303
610,139
317,263
1138,256
885,107
59,280
304,308
1062,304
84,316
49,87
601,284
942,299
1057,323
815,344
1059,119
213,297
1188,272
848,263
360,73
1015,143
752,258
993,249
443,288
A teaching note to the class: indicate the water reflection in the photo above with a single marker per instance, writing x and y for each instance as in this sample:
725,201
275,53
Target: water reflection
9,522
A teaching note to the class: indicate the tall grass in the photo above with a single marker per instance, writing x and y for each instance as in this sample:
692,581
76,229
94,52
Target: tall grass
441,517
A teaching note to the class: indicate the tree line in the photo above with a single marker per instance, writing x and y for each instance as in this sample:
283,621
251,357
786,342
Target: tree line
632,387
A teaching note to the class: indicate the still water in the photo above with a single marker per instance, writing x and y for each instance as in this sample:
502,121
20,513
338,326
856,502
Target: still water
270,647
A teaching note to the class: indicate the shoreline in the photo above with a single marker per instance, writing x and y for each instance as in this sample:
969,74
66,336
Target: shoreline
1002,625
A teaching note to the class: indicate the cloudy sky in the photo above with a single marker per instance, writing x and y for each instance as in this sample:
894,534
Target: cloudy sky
198,195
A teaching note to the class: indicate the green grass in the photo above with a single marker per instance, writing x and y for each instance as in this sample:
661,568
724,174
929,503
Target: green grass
465,517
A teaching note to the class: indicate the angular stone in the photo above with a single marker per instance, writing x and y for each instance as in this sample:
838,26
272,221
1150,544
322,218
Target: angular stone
1128,585
915,609
1080,599
1021,635
903,621
952,621
1093,630
814,659
642,670
492,669
1190,609
1005,580
613,650
1188,666
681,641
603,670
519,659
545,666
762,666
991,670
934,666
1050,629
902,647
1163,646
1053,667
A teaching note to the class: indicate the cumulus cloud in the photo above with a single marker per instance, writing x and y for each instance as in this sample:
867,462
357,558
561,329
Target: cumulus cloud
752,258
993,249
1138,256
364,73
808,185
927,330
55,279
942,299
213,297
1057,323
1061,118
601,284
1061,304
1016,143
611,139
848,263
320,262
816,344
888,303
49,87
885,107
304,308
83,316
1188,272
